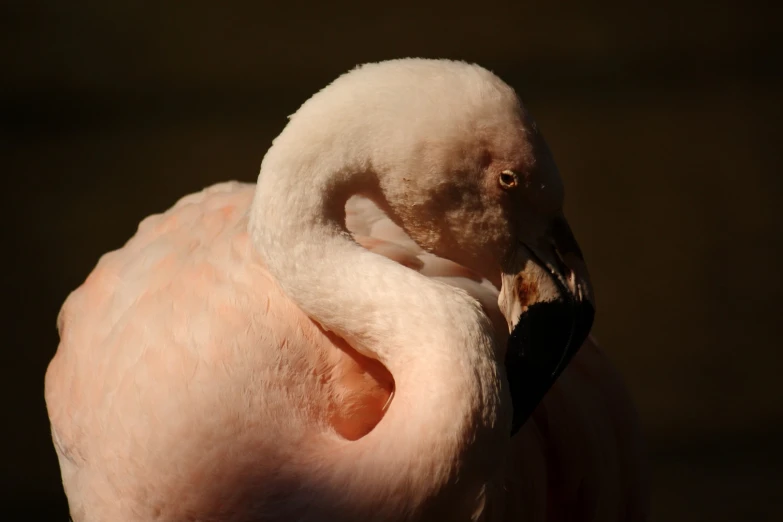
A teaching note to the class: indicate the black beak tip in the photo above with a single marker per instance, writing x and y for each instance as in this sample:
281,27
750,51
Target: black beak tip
540,347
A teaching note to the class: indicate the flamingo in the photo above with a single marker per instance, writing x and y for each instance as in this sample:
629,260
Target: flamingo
378,330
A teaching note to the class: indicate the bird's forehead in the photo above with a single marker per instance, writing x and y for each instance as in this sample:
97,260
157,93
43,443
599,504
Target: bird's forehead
510,145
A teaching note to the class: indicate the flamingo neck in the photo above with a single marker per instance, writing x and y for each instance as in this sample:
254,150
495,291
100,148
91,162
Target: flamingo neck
446,428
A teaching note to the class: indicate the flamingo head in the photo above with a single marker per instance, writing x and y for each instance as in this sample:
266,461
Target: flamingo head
457,161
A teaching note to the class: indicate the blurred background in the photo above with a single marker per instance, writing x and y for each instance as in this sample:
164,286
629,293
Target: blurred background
664,117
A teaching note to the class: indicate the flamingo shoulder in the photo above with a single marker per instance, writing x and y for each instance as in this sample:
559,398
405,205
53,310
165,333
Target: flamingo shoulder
185,373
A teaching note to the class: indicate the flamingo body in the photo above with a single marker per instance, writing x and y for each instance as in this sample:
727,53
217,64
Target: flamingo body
182,347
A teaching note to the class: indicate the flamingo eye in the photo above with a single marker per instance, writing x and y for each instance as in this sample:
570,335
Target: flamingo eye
508,179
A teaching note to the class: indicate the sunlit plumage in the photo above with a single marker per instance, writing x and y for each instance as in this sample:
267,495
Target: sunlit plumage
289,351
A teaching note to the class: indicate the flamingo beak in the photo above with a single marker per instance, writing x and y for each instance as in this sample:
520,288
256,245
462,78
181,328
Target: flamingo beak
549,307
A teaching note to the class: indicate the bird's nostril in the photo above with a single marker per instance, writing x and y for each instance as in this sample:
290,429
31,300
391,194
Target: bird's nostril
580,288
562,266
561,233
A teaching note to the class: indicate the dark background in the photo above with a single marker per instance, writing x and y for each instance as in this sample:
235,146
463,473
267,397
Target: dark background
665,121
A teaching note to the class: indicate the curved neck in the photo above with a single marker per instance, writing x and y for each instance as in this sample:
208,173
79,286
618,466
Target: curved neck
448,418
